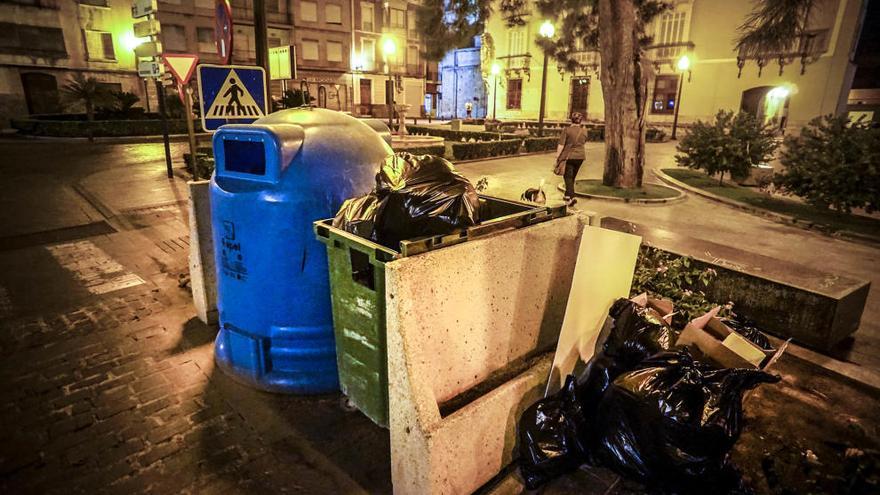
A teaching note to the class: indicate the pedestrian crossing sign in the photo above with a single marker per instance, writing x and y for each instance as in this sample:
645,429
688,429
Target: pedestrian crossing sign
231,94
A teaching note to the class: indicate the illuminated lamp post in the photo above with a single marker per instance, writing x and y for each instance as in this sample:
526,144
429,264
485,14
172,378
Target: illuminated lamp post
683,65
547,30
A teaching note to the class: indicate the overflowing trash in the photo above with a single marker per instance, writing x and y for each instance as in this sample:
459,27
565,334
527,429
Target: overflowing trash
647,406
415,196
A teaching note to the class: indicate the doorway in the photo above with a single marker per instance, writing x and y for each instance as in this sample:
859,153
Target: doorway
769,104
40,92
580,91
322,97
366,91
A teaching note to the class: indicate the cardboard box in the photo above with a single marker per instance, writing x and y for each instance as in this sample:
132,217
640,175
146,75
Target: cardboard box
709,336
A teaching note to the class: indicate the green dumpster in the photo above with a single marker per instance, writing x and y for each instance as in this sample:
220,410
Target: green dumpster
357,287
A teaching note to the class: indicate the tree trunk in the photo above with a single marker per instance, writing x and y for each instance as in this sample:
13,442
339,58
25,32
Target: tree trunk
625,76
90,111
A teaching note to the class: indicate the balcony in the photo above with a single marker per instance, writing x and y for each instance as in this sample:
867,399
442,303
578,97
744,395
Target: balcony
668,53
808,47
517,66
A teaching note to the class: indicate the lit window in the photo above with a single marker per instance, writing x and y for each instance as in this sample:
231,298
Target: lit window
99,45
665,88
368,54
308,11
398,19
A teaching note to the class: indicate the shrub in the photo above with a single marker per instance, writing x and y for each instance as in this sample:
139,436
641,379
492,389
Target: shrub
535,144
833,163
732,145
96,128
436,150
654,135
471,151
596,133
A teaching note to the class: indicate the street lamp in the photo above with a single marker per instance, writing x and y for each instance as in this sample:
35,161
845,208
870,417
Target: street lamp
389,48
547,30
496,69
683,65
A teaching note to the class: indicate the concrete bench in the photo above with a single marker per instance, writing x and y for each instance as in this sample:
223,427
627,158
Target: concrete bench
471,334
815,308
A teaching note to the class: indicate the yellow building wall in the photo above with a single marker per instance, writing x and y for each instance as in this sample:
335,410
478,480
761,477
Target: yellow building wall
713,84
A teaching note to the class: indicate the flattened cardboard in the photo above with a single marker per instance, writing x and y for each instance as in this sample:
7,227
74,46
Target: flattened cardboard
603,273
711,337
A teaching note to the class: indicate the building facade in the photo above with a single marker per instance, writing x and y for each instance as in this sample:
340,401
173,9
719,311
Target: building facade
705,31
461,73
338,46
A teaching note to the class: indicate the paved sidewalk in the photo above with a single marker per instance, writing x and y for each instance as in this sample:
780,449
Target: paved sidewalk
701,218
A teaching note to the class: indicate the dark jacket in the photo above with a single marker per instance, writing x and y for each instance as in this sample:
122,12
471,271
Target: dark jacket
572,141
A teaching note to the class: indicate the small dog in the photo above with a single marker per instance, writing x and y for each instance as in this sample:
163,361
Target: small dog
535,194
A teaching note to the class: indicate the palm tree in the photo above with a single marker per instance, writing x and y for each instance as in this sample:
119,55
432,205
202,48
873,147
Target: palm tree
85,90
774,28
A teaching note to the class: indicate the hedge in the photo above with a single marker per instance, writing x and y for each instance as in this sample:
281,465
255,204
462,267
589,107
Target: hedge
471,151
536,144
654,135
97,128
436,150
457,136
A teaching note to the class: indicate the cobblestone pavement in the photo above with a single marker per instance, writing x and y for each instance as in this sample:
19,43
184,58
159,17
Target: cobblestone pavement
117,394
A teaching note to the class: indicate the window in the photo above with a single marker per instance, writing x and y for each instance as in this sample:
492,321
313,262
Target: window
96,3
514,93
310,49
308,11
333,14
670,30
412,55
411,26
665,88
334,51
99,45
32,40
368,54
173,38
398,19
516,42
272,6
206,40
367,16
205,4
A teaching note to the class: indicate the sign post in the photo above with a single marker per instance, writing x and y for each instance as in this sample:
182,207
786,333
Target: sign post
182,66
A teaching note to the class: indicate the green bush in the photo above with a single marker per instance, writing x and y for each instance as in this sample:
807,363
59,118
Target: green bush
596,133
536,144
833,163
96,128
471,151
457,136
436,150
732,144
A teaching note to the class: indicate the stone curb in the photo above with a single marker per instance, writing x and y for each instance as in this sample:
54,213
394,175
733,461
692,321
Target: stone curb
647,201
778,217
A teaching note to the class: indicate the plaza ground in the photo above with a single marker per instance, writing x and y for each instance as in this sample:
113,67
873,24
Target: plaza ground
108,382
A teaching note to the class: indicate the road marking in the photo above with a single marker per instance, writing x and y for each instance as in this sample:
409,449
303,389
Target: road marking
97,271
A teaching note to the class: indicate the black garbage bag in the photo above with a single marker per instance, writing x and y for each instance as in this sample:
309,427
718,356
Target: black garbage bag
672,422
358,216
748,329
636,333
422,195
552,433
415,196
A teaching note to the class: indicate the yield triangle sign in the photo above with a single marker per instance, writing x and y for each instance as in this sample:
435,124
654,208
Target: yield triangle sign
182,65
234,101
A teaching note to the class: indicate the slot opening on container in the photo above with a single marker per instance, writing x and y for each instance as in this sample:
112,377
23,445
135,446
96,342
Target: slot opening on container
362,271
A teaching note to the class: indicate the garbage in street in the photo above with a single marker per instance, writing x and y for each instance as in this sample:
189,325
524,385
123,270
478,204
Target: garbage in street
645,407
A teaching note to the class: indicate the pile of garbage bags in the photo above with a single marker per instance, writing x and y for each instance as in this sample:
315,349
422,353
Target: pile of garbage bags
644,408
415,196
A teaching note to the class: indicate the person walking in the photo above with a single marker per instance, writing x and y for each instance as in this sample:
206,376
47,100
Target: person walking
571,151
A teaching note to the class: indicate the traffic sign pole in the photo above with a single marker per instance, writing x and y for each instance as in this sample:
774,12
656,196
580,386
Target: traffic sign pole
160,93
190,129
